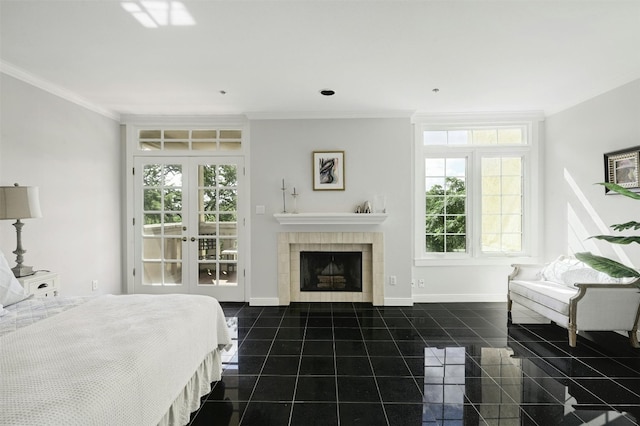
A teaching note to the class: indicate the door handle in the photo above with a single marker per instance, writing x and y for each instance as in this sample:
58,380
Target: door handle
193,238
184,238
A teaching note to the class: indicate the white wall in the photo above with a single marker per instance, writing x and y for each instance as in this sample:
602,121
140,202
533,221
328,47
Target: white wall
577,138
74,156
378,161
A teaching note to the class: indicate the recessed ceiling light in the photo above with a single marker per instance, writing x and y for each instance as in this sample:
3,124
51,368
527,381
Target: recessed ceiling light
223,92
436,90
327,92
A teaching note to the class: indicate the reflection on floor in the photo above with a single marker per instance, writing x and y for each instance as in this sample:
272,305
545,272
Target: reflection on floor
430,364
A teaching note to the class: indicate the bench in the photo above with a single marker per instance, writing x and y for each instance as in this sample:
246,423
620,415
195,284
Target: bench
576,297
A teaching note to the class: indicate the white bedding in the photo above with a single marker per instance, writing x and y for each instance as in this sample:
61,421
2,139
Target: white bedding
114,360
35,309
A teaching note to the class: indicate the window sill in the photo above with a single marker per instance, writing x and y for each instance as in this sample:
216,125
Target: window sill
470,261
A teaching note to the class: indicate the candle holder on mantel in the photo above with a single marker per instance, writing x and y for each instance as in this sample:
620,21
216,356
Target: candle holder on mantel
295,196
284,201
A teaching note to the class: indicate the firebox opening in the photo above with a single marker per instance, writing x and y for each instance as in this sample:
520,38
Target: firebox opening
331,271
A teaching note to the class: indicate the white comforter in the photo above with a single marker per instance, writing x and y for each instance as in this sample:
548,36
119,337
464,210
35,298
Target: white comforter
114,360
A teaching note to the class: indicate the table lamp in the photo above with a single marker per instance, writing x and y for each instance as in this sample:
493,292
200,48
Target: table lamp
19,202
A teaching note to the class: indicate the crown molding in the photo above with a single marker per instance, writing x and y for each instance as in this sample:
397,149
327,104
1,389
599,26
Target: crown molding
457,117
22,75
326,115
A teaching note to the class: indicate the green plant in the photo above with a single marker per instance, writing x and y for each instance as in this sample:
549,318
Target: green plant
609,266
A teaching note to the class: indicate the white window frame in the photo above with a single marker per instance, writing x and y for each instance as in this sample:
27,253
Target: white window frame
532,185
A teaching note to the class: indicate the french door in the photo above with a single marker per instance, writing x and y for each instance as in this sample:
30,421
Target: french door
188,233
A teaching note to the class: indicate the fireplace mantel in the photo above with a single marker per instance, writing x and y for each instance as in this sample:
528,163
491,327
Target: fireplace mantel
330,218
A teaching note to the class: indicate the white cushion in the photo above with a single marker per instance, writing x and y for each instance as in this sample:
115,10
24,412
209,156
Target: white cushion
553,271
10,289
569,270
552,295
587,275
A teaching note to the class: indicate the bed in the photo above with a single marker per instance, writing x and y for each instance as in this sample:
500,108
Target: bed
108,360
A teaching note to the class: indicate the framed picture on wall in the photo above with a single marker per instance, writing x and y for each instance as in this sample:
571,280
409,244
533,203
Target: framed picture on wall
622,167
328,170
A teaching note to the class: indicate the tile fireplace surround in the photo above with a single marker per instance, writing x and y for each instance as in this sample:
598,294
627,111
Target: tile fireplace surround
371,244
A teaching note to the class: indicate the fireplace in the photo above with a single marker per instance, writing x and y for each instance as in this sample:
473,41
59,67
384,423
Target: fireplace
370,246
331,271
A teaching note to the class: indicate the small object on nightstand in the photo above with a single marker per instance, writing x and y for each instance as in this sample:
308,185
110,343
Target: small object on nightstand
41,284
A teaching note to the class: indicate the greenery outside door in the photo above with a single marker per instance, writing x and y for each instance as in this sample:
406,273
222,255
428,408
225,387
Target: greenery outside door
188,230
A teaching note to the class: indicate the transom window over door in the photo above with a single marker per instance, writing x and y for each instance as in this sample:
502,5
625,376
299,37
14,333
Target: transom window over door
475,190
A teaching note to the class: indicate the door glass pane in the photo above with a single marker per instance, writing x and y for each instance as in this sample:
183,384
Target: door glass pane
207,274
217,224
173,273
162,224
152,273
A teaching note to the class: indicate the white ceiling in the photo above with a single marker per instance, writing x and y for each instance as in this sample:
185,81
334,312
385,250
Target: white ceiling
273,57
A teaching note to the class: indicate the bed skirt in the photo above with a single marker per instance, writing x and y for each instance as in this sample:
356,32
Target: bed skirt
210,370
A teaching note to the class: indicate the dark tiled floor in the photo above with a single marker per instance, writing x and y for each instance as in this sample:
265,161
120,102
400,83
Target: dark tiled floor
430,364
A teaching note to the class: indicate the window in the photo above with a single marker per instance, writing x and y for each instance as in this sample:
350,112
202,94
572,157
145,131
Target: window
189,140
473,190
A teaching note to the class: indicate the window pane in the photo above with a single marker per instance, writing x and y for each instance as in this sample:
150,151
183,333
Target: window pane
230,134
456,167
510,136
204,146
490,185
434,167
173,273
150,134
150,146
511,166
491,204
445,202
511,185
434,244
502,204
485,137
435,205
174,146
230,146
455,243
204,134
152,200
459,137
176,134
431,137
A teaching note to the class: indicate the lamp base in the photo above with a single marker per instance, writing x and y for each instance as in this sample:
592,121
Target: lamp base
22,270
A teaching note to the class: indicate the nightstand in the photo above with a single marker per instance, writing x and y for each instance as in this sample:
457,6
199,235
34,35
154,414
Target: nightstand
41,284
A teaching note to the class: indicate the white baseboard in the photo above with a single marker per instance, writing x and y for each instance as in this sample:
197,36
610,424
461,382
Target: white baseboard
264,301
398,301
459,298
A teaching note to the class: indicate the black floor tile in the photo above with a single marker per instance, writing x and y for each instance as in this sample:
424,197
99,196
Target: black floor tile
428,364
313,388
286,365
266,414
362,414
317,366
314,414
353,366
357,389
274,388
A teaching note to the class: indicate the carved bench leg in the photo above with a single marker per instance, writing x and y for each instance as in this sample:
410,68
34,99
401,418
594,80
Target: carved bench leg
633,338
509,305
573,335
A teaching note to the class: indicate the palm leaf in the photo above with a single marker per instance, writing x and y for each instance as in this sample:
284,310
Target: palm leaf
620,190
608,266
618,240
624,226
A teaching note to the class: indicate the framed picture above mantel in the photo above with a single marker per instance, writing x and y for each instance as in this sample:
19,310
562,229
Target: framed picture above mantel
622,167
328,170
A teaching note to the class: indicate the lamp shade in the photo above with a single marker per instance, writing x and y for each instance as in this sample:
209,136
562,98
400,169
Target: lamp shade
19,202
